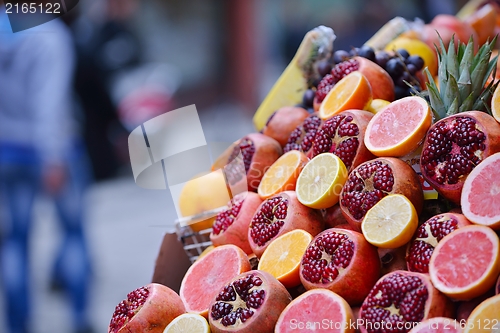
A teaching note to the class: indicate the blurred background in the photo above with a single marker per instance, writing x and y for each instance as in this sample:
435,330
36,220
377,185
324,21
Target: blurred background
137,59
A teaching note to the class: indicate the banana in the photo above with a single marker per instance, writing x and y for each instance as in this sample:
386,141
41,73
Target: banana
298,75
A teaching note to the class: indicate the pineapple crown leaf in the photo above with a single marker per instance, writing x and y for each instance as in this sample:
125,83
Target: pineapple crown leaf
462,78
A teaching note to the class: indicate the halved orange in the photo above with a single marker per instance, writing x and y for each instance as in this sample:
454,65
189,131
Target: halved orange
353,91
391,222
495,104
399,128
321,181
282,174
485,317
283,256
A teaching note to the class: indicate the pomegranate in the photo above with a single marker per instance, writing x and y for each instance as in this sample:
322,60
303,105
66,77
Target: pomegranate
454,146
147,309
343,135
283,121
372,180
278,215
343,261
258,152
250,303
392,259
333,216
231,225
302,136
401,299
428,236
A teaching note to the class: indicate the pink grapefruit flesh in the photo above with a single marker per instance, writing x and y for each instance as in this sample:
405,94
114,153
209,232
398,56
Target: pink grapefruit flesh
317,310
480,197
399,128
209,274
466,262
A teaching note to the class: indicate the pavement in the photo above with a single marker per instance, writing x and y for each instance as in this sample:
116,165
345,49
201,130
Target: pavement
125,227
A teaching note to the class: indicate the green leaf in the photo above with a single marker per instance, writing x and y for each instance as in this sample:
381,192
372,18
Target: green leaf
490,70
450,91
453,109
477,76
464,85
466,60
451,59
467,104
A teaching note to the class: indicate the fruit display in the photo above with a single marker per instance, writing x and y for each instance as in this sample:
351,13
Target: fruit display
373,200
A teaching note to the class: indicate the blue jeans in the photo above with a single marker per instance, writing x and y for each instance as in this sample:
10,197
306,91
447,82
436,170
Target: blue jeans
19,186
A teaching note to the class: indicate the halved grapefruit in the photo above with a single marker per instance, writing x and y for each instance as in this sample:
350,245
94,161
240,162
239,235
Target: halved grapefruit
399,128
466,263
316,310
209,274
480,198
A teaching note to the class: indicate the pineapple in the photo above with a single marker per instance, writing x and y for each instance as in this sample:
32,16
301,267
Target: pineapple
462,79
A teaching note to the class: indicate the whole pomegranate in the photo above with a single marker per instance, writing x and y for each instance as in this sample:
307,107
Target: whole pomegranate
343,135
372,180
257,152
401,299
283,122
343,261
231,225
279,214
333,217
250,303
428,236
302,136
147,309
454,146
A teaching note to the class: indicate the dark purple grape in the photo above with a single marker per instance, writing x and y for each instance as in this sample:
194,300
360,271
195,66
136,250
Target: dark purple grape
308,98
395,67
381,58
416,61
316,82
354,51
324,67
367,52
340,55
412,69
405,76
401,92
310,110
403,53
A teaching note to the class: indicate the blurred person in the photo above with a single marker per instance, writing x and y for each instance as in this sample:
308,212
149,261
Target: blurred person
105,46
40,151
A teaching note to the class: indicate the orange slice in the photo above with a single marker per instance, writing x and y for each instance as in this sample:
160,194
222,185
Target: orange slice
495,104
282,175
352,92
321,181
283,256
466,263
485,317
391,222
188,322
399,128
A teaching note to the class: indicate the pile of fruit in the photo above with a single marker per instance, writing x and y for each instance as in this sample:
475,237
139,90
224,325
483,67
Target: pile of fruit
374,196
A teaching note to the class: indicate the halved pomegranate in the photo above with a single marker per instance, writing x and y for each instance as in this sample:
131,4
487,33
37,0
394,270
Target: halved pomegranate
231,225
302,136
279,214
372,180
343,135
252,302
258,152
342,261
283,122
454,146
401,299
147,309
428,236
